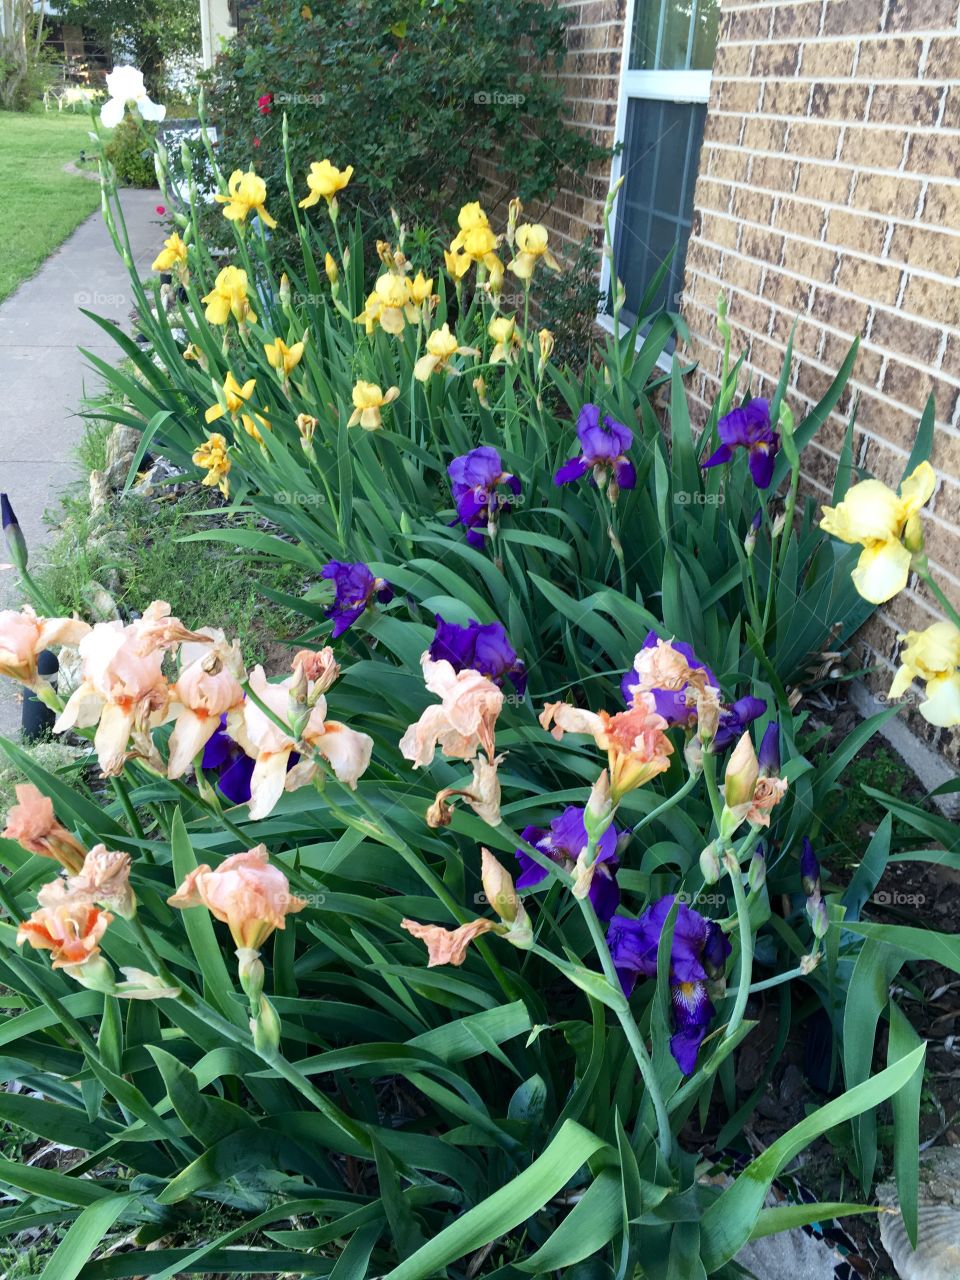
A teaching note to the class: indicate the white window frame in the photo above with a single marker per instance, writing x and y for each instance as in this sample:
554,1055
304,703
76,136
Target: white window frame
663,86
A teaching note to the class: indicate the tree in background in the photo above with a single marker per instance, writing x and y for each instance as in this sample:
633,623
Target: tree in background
147,33
21,44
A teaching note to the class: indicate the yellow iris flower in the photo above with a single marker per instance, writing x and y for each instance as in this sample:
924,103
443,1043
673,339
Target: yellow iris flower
212,455
229,297
234,397
503,331
172,255
324,181
368,400
887,526
932,656
390,305
532,244
474,242
247,194
442,345
281,357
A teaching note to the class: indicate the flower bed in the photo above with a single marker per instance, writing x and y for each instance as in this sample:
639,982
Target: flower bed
431,954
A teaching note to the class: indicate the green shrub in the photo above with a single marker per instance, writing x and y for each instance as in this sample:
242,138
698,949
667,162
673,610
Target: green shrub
130,154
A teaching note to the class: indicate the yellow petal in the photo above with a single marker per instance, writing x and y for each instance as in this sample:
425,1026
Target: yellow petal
917,490
942,704
870,512
882,571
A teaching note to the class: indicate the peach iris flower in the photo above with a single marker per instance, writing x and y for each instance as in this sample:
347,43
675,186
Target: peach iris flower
32,823
245,892
66,924
24,636
347,751
635,740
461,723
208,686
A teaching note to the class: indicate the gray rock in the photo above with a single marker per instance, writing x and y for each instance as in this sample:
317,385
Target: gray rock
99,492
937,1255
122,445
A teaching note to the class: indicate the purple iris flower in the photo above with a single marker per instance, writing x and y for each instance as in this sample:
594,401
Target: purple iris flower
735,719
604,444
670,703
563,842
698,954
748,428
809,869
769,754
232,764
355,588
474,478
479,647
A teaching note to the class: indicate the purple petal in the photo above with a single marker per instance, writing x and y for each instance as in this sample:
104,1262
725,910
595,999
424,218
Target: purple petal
573,469
685,1045
721,455
762,459
769,754
218,748
235,781
626,474
604,894
588,417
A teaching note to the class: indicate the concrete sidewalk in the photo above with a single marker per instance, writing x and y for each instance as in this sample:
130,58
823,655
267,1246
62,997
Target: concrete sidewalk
45,377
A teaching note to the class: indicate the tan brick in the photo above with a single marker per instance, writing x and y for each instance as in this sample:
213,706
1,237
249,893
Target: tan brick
932,300
942,206
807,337
774,173
937,251
792,295
894,196
747,24
851,17
777,59
762,245
839,101
752,206
719,230
848,315
728,163
950,363
877,148
946,460
812,261
739,96
889,59
936,155
871,280
800,217
898,426
823,182
912,386
818,141
943,58
790,20
897,333
764,135
732,60
951,111
921,15
830,60
856,231
917,105
869,363
786,97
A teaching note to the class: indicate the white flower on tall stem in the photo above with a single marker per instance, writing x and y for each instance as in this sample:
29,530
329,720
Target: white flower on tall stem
125,87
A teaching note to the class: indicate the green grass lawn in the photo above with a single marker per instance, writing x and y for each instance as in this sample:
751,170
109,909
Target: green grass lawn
41,203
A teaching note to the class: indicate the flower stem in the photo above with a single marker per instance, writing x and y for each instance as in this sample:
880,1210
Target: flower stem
746,947
927,578
669,803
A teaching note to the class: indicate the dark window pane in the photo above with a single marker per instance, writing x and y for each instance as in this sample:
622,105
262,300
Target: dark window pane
655,210
706,22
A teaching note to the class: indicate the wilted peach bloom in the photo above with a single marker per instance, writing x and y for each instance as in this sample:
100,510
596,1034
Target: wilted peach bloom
66,924
347,751
661,666
24,636
767,793
464,720
320,668
245,892
105,880
123,690
446,946
483,795
207,687
635,740
31,822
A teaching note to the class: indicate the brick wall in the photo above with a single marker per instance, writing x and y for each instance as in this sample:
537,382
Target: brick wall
828,190
591,81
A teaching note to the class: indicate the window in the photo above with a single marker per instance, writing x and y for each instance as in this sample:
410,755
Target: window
663,95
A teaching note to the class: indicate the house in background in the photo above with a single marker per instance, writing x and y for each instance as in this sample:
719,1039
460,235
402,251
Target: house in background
805,157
